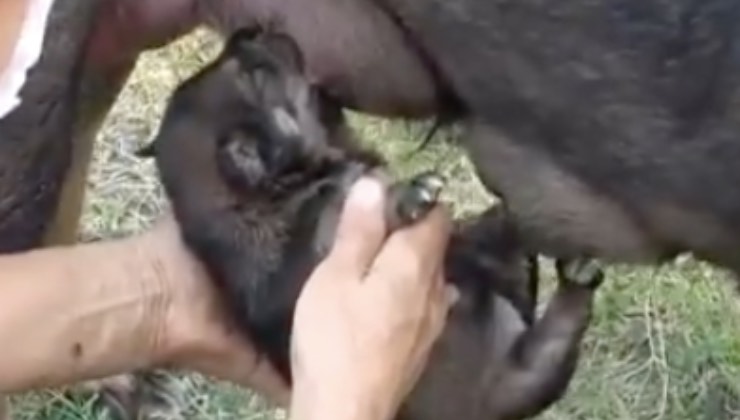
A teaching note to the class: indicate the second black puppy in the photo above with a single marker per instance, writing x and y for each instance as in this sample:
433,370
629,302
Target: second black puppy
257,165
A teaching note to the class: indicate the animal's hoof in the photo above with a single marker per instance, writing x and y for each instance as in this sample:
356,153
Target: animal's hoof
140,396
416,197
584,272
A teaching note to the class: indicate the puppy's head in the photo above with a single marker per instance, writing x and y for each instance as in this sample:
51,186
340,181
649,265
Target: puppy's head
287,121
285,110
255,99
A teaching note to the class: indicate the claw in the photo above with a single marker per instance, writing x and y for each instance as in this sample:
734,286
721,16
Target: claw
431,182
416,197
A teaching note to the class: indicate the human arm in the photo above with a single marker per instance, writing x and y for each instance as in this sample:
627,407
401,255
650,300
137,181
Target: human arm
69,314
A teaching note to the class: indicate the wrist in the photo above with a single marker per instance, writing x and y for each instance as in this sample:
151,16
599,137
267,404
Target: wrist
127,301
149,275
181,335
166,274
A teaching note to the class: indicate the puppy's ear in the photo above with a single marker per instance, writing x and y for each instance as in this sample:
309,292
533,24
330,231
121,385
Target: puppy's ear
241,43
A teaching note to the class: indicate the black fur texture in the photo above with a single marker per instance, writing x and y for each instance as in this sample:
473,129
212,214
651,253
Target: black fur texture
609,128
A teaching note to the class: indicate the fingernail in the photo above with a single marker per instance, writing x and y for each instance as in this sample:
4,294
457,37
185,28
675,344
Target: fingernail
453,294
367,193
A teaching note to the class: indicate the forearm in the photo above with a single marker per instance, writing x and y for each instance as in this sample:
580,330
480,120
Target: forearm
74,313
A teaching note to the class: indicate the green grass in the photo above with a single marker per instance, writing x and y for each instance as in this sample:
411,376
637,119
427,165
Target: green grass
664,343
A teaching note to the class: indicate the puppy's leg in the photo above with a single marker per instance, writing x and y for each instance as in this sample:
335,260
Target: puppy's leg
542,361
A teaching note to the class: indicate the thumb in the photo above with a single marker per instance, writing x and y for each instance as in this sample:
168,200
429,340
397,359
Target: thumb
361,230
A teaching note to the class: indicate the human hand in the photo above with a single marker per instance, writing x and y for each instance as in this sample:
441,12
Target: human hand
367,318
197,334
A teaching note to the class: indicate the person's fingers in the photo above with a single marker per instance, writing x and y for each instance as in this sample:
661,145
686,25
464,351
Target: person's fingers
452,295
361,230
416,253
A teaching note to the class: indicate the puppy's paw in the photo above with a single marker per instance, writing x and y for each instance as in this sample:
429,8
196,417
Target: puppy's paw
409,201
582,272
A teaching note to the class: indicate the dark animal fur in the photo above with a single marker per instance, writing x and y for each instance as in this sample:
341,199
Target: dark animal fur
257,166
609,128
36,137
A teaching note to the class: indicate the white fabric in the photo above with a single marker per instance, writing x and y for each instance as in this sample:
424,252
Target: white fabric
25,55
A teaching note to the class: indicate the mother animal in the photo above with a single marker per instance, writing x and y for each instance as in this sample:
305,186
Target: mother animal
610,128
617,120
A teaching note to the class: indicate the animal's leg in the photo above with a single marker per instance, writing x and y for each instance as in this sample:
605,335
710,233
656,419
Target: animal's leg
542,361
63,229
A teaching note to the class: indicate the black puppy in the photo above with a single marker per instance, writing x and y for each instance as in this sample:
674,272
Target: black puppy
257,163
